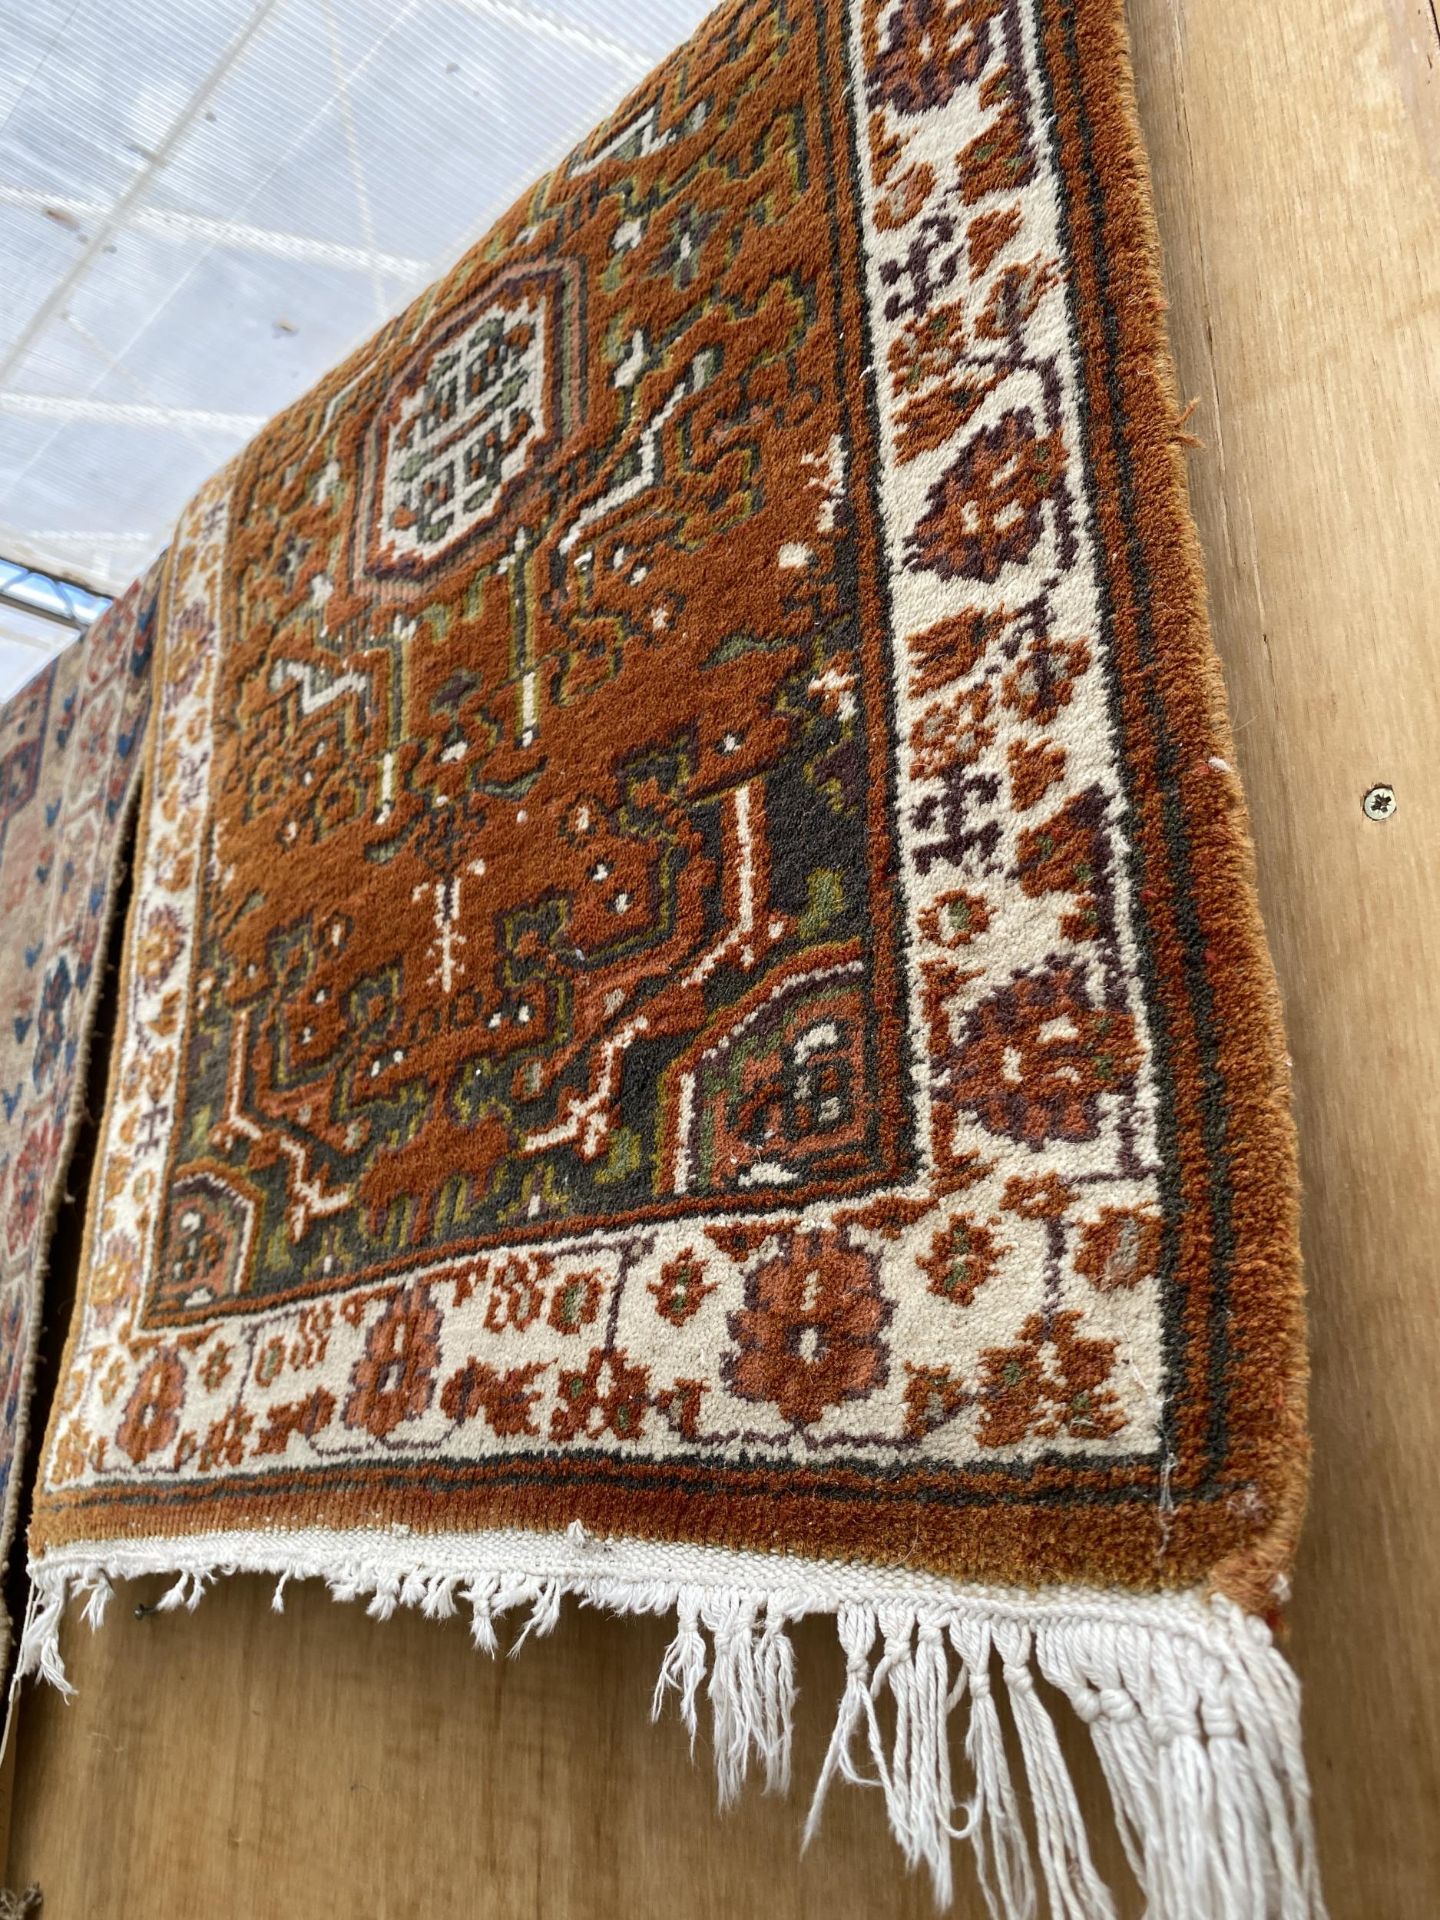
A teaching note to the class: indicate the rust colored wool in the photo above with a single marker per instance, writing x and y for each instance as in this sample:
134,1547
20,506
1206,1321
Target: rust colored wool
694,1025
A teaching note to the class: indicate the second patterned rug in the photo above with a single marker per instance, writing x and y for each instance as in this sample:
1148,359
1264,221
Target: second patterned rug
694,1028
70,750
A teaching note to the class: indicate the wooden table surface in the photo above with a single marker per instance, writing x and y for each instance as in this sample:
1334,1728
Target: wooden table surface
238,1764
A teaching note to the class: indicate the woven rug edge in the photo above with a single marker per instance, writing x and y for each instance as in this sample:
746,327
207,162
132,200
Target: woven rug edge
1192,1711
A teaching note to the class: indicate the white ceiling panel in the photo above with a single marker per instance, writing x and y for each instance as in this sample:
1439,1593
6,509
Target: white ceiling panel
204,205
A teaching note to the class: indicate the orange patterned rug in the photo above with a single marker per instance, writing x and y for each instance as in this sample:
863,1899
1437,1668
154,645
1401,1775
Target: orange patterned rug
694,1025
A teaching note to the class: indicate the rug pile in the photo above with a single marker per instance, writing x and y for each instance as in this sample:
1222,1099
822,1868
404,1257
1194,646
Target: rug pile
694,1030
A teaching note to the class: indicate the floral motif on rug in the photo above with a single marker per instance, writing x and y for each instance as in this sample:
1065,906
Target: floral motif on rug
70,748
694,978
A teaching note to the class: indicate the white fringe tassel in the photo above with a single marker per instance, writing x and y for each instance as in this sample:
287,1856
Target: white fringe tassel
1193,1713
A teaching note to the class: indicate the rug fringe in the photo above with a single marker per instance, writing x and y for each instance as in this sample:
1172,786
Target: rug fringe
1193,1713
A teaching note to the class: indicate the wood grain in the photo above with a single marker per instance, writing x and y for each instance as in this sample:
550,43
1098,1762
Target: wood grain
240,1766
1295,162
236,1764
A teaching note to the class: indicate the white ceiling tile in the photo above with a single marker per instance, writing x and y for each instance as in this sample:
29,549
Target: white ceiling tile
203,208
